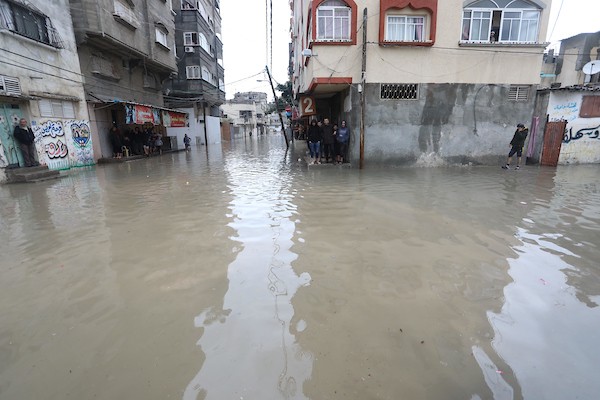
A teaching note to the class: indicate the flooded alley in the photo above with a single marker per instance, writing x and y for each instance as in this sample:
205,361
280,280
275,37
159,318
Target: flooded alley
239,272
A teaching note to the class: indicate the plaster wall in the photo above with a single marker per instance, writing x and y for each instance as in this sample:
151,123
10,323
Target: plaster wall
581,143
447,124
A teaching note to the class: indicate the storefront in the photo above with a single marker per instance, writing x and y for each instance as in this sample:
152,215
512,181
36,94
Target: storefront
127,116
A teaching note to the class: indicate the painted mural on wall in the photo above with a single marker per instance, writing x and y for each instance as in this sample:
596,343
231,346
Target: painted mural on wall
64,144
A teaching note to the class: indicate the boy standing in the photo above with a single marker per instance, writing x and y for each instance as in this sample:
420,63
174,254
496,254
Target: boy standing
517,143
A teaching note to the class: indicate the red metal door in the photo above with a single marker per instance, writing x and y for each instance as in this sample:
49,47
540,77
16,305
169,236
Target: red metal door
553,137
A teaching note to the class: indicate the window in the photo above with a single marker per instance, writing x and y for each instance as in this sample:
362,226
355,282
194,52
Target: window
104,67
333,21
204,43
192,72
509,21
399,91
518,93
161,36
206,75
590,107
401,28
190,38
407,22
10,85
124,13
28,22
57,109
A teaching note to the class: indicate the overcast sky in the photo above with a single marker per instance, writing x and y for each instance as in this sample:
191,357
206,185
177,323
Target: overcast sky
245,33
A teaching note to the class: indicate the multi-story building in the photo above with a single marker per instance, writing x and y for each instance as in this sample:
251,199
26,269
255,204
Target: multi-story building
246,112
40,80
430,80
198,87
126,52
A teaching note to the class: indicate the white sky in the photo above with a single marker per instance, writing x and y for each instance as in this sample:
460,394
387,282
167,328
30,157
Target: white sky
245,33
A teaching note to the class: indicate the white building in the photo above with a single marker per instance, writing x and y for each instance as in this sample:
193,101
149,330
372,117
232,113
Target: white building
40,80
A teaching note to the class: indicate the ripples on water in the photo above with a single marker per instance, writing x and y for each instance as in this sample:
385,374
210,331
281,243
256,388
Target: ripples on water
242,273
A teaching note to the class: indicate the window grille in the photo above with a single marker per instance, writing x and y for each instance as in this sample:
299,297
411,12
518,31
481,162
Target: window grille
518,93
399,91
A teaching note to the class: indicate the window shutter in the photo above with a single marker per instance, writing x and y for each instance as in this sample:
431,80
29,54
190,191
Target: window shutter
590,107
68,110
45,108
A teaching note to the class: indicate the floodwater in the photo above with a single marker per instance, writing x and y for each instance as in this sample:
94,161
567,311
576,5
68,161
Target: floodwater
242,273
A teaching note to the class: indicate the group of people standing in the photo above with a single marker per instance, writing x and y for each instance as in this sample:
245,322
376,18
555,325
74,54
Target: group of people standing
326,142
136,142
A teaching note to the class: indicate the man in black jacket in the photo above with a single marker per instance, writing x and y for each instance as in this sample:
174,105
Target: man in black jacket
517,143
24,136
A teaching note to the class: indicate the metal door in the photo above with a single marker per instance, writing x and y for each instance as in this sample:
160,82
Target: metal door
10,114
553,137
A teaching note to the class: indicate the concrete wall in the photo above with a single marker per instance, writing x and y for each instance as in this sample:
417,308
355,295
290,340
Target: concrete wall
448,124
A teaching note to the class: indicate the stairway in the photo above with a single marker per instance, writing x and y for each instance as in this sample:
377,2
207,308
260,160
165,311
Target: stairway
31,174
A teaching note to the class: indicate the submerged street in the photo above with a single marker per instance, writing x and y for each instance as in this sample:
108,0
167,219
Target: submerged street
239,272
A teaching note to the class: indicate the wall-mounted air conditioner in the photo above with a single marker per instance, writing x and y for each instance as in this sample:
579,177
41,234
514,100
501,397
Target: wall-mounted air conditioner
189,49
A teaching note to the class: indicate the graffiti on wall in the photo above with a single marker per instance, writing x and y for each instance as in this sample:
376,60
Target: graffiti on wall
567,111
591,133
82,153
56,150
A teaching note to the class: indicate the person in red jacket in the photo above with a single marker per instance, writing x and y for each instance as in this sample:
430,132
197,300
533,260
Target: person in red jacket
24,136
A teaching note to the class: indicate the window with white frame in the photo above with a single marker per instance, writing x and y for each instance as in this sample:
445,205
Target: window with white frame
509,21
333,21
190,38
193,72
204,43
405,28
161,36
206,75
57,109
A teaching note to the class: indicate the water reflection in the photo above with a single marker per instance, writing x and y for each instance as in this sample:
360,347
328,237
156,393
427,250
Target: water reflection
250,350
547,329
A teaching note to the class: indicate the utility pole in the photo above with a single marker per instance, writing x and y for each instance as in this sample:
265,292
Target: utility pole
287,142
362,91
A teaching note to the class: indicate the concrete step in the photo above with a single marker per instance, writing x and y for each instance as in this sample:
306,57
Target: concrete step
31,174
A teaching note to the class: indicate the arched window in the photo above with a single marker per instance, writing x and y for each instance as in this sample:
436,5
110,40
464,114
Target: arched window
407,22
204,43
512,21
333,21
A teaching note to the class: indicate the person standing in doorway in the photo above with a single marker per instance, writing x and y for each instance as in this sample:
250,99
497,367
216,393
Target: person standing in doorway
517,143
328,141
314,141
187,141
343,138
25,137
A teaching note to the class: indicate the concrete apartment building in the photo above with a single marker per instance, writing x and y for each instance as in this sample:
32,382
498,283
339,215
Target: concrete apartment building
246,113
198,86
442,81
40,80
126,51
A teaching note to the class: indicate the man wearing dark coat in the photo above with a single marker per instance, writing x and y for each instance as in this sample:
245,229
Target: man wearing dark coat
24,136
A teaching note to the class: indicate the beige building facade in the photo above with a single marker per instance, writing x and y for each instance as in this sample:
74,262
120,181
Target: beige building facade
443,80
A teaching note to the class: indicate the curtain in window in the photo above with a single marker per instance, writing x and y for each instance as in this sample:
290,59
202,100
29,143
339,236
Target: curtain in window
333,21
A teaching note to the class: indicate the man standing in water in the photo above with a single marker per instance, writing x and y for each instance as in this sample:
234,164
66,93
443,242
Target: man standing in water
517,143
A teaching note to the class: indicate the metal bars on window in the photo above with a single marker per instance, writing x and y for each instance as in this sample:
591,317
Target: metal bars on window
518,93
399,91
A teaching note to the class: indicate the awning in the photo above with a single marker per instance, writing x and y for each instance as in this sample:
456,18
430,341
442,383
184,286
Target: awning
138,113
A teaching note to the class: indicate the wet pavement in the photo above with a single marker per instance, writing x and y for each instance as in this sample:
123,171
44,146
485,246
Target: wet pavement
242,273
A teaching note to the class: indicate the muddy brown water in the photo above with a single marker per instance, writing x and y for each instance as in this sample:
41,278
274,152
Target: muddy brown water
241,273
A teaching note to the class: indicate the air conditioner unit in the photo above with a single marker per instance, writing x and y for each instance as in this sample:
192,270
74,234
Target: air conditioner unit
189,49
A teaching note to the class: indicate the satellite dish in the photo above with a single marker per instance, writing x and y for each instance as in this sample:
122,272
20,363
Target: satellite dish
591,68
